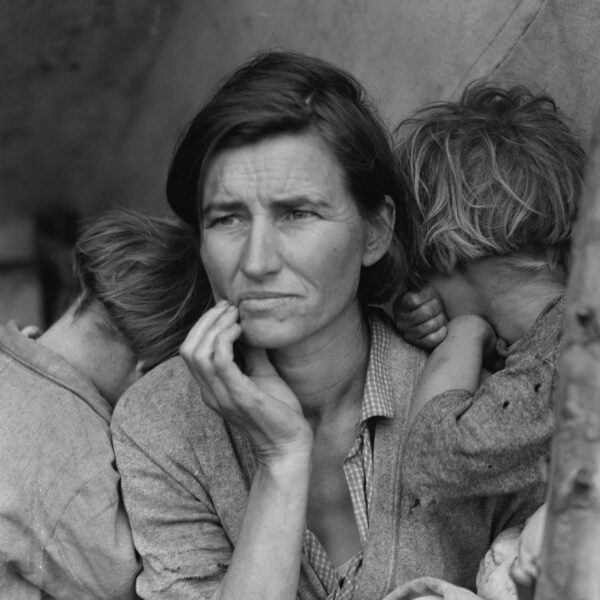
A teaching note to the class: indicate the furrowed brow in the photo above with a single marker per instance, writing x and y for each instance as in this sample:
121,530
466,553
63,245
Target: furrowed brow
223,206
299,202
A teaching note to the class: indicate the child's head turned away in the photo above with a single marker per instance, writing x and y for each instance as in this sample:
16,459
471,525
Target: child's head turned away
497,173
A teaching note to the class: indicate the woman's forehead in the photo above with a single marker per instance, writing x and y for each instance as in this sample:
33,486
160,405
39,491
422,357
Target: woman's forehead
281,166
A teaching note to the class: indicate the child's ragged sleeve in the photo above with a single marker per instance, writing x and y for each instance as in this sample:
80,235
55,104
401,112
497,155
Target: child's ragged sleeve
493,441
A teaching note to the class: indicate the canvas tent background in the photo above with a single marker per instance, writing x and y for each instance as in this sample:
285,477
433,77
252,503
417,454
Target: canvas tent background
95,92
571,548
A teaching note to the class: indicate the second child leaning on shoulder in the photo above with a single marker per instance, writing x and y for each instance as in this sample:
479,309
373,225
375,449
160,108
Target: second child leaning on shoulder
495,179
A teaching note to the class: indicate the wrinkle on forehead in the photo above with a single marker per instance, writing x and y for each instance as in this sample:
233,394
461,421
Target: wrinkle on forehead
275,168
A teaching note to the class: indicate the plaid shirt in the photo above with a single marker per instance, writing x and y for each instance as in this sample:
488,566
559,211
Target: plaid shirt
358,469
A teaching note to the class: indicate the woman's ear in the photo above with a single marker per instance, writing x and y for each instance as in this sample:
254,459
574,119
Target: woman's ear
379,233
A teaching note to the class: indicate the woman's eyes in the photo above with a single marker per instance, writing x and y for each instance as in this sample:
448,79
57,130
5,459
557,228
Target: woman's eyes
223,221
299,215
231,220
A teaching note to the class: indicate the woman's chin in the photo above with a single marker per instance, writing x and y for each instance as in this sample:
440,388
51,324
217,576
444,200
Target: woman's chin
261,339
267,335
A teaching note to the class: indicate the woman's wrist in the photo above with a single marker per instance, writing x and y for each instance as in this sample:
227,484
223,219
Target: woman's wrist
288,475
293,457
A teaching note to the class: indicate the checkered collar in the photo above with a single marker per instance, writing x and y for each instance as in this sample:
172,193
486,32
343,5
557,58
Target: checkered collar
378,398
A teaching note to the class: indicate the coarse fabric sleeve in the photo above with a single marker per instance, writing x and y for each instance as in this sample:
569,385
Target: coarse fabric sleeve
493,441
184,548
90,554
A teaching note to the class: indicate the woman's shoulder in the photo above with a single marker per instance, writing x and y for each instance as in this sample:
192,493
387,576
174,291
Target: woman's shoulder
162,422
167,399
398,351
401,361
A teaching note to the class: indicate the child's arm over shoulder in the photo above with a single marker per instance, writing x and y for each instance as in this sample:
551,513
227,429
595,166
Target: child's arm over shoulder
487,440
457,362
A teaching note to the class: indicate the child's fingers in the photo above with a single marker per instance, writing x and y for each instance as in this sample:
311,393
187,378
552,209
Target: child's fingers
524,581
432,340
430,327
426,311
411,300
31,331
424,326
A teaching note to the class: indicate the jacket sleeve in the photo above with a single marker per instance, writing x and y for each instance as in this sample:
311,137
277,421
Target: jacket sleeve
184,549
490,442
90,554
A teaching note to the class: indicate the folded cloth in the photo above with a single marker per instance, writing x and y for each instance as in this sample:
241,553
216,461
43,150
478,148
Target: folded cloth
493,578
430,588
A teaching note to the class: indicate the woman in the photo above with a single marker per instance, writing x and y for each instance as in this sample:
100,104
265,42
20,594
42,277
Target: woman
63,529
268,465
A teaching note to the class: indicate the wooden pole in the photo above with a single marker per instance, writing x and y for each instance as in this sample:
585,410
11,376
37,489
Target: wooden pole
571,547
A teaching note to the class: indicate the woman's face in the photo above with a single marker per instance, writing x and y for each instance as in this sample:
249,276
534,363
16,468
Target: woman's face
282,239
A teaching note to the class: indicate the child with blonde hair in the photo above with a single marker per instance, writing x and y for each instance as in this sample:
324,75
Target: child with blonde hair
495,180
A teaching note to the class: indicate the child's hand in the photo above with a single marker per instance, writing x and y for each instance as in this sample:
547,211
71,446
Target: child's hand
523,581
493,578
30,331
420,317
526,568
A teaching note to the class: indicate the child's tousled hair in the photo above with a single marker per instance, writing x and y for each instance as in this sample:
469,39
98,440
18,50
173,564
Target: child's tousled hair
147,275
497,173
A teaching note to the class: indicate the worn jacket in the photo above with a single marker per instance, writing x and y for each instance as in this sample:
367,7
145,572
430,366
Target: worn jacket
63,530
186,476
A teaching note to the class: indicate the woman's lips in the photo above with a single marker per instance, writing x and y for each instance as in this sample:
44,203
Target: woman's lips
264,300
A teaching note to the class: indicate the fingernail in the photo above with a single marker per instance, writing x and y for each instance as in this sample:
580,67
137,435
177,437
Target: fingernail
221,303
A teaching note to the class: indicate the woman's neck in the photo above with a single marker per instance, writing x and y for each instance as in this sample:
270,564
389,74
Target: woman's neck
327,372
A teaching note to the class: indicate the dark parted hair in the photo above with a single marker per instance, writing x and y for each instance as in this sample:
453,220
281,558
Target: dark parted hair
499,172
283,92
147,274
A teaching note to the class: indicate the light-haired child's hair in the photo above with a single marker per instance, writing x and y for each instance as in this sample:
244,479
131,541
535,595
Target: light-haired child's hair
499,172
147,275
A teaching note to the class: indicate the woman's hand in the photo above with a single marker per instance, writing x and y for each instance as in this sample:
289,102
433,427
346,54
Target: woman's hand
260,403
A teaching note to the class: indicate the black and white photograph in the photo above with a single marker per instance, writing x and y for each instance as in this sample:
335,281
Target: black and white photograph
299,300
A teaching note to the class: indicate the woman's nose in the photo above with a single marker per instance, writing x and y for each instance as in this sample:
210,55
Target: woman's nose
261,254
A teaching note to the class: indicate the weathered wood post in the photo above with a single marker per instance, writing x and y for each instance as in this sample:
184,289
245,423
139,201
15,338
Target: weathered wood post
571,548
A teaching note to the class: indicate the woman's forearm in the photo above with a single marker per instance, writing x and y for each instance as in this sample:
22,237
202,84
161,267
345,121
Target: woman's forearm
265,564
